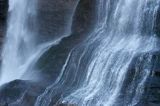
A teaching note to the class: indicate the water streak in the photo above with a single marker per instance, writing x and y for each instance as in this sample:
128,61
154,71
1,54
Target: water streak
121,35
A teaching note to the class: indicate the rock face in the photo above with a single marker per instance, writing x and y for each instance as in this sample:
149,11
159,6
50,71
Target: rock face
59,53
53,16
19,93
3,18
65,105
3,12
24,93
157,23
153,83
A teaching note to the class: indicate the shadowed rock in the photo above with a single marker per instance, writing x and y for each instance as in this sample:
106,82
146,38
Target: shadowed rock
3,19
52,61
24,93
65,105
19,93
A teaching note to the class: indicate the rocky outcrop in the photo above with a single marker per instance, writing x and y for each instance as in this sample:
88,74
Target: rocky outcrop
3,18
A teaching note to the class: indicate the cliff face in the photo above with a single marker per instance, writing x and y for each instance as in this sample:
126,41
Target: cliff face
157,23
3,17
83,20
53,17
3,12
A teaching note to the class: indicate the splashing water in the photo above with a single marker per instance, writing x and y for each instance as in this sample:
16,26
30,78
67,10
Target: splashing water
20,52
124,31
96,70
19,41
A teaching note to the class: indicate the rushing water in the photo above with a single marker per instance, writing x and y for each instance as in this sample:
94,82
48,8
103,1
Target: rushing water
124,32
95,73
19,41
20,51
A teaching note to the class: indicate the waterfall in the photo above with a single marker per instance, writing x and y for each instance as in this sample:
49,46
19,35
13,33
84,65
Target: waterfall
19,41
108,67
123,35
20,51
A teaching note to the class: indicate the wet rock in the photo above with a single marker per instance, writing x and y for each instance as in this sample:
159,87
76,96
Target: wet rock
19,93
52,61
3,12
24,93
153,83
157,23
84,18
65,105
3,19
54,18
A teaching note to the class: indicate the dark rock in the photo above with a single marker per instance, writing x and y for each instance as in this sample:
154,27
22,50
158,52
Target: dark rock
65,105
3,19
152,104
157,23
19,92
84,18
52,61
154,95
54,18
153,83
3,12
24,93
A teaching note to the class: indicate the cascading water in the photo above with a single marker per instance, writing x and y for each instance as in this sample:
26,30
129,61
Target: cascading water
19,41
20,51
124,32
108,68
